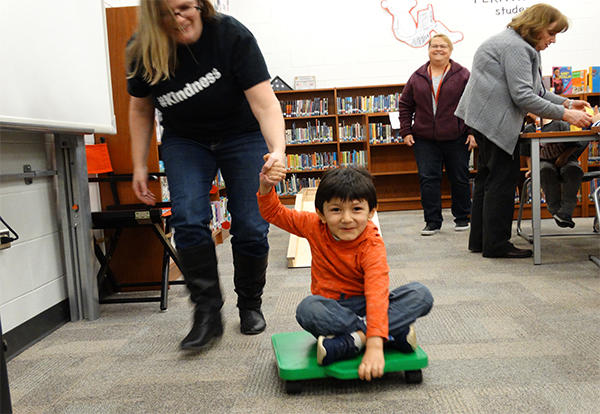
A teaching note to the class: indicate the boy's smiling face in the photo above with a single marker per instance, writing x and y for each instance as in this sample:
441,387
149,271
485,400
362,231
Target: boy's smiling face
346,220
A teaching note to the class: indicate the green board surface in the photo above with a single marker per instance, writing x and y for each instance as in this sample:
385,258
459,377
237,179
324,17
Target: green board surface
296,355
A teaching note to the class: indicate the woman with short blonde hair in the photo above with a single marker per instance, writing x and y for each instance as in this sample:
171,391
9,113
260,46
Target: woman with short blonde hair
440,140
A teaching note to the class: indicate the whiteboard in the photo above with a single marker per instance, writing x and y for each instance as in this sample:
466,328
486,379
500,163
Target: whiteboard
54,65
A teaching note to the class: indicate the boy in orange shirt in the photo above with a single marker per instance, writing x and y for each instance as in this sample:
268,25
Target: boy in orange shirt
350,307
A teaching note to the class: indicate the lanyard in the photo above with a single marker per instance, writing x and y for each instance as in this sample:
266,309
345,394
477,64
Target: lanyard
436,95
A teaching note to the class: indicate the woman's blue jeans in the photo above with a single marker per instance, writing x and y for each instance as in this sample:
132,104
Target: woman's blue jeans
191,167
322,316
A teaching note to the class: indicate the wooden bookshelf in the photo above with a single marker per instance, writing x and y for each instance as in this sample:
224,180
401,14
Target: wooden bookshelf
392,164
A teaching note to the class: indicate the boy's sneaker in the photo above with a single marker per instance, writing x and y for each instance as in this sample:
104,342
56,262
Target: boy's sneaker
563,220
461,225
430,229
407,342
335,348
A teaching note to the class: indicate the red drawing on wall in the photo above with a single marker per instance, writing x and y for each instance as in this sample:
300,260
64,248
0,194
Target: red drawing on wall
416,31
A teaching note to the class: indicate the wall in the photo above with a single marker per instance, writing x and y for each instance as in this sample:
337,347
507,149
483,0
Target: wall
351,42
32,273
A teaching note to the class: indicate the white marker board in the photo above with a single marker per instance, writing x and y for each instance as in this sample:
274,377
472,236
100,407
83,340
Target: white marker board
54,65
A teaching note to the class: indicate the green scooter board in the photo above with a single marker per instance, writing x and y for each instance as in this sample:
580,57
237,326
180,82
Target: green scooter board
296,354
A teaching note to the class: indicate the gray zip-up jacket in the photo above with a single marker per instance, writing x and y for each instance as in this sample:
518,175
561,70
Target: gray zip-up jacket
505,84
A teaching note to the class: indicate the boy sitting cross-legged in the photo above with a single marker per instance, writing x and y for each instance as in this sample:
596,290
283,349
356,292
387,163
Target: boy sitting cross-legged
351,307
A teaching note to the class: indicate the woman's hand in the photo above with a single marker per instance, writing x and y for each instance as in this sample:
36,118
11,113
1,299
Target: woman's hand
273,171
471,142
577,117
408,140
576,104
140,186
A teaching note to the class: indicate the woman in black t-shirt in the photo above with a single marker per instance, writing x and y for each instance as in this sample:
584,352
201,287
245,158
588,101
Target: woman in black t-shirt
206,75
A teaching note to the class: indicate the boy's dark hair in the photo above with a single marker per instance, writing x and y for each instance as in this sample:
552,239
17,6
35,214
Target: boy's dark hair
347,184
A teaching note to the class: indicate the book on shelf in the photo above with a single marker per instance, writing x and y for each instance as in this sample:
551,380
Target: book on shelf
578,80
594,79
561,80
220,215
547,81
314,132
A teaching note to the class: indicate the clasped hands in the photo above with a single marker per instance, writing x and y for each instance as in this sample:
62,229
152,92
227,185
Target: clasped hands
273,170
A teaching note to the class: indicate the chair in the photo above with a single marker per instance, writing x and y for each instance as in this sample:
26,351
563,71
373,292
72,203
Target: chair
596,197
525,198
120,216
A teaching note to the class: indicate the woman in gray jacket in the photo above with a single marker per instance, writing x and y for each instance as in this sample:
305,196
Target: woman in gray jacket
505,84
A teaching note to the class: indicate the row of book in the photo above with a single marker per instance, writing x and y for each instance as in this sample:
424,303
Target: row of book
317,132
383,133
314,161
365,104
565,80
352,132
305,107
292,184
355,157
594,152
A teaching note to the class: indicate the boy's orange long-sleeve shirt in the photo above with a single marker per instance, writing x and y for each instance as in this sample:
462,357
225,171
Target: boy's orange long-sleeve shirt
353,268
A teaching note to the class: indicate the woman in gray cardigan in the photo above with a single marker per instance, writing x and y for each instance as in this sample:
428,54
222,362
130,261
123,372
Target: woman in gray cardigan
505,84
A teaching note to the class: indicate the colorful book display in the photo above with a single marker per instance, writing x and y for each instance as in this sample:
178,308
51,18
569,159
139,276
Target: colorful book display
578,79
561,80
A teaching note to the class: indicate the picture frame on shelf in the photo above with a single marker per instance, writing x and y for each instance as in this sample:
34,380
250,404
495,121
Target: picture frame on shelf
305,82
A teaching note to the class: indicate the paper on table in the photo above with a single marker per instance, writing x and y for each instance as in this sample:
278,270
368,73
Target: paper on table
394,120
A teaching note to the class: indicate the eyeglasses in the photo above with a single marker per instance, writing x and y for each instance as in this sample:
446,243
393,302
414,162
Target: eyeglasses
185,11
443,46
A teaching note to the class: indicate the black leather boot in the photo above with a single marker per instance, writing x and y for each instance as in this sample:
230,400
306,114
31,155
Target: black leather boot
202,279
207,326
249,279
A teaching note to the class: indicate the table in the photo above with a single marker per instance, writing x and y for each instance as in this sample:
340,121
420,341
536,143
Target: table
537,138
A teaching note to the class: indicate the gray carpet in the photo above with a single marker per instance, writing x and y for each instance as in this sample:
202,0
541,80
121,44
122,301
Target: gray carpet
504,336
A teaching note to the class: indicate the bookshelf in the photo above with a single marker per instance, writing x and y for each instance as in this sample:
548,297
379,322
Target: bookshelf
326,128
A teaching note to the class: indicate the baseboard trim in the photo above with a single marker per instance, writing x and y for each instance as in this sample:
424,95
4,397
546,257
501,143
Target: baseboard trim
35,329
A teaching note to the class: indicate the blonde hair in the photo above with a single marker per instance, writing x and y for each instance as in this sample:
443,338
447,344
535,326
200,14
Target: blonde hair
152,52
532,21
444,38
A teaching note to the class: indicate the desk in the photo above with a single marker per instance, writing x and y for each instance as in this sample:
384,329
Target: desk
537,138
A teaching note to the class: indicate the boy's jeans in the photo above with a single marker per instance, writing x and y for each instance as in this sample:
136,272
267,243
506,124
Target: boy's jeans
322,316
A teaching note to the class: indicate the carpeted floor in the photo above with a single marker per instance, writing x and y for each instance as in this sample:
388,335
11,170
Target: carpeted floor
504,336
